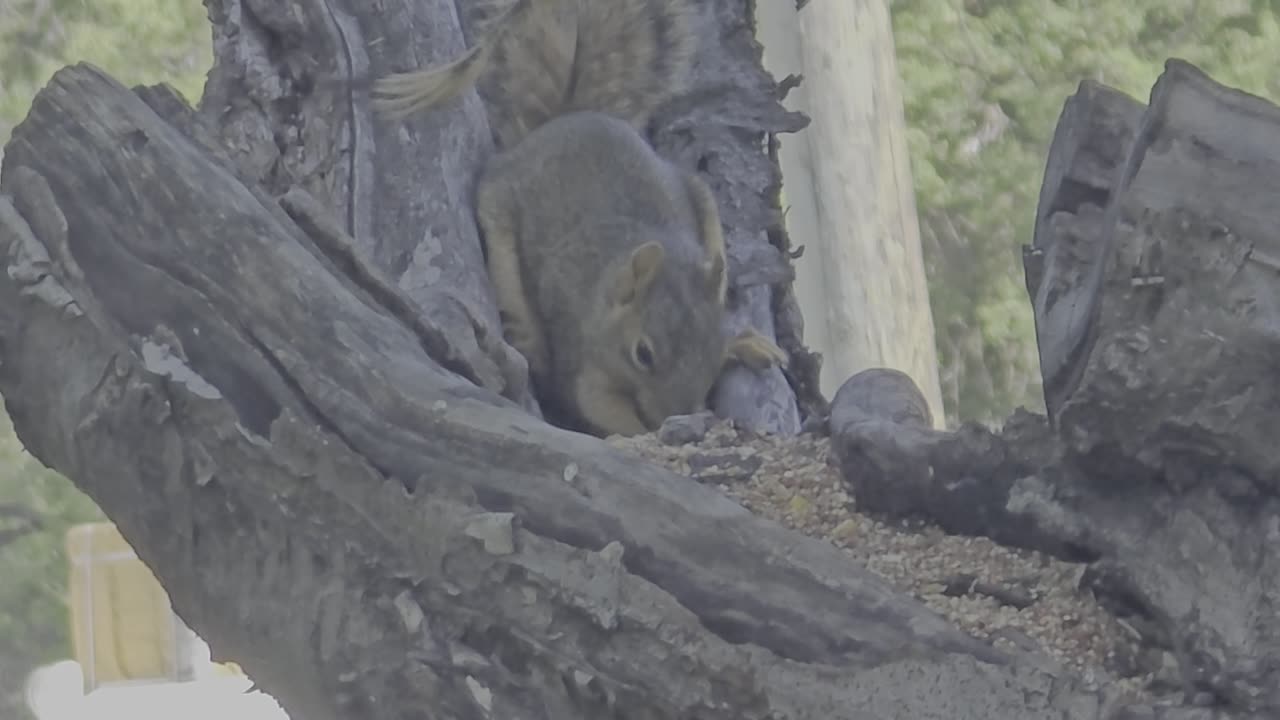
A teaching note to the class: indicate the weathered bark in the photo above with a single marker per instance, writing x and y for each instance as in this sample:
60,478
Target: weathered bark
371,535
719,130
1090,143
1185,323
1175,412
1161,465
287,97
321,469
288,92
847,179
897,464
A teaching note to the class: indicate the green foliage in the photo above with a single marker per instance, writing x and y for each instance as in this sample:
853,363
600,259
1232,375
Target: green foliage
966,66
137,42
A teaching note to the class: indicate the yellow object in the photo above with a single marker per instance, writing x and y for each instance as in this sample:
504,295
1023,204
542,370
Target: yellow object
121,622
227,669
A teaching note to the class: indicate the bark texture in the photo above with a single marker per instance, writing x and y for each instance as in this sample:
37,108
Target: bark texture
331,473
1089,145
720,130
1155,283
288,97
370,534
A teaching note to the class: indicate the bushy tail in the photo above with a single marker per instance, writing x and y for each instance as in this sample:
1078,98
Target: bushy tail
400,95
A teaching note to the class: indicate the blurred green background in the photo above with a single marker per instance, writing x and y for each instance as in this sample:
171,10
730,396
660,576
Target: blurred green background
983,83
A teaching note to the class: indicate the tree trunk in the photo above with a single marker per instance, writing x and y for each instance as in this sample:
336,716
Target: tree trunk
328,483
295,114
851,203
1155,288
332,476
369,534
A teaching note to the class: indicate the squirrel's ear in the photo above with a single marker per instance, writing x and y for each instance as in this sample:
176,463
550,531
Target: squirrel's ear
704,207
637,273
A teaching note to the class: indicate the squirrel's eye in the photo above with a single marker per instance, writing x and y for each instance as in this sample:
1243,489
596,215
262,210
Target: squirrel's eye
643,355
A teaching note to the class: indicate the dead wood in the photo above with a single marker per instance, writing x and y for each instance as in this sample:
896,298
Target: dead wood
288,96
1089,144
1156,307
1173,416
370,534
277,371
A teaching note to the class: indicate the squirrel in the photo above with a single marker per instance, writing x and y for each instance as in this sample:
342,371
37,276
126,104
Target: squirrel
610,267
608,261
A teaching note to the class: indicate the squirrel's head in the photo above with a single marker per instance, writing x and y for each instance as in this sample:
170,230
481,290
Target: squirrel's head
656,344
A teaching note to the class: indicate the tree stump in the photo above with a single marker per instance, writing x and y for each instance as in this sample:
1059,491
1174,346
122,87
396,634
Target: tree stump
1173,413
1090,142
1157,299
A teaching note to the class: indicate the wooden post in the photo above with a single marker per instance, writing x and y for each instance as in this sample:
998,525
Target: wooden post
847,182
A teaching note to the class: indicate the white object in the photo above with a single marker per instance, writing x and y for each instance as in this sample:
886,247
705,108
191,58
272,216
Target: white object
54,692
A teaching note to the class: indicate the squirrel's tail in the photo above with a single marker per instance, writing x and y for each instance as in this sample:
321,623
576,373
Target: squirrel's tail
400,95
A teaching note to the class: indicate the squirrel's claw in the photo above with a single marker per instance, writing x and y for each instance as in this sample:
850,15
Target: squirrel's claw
755,351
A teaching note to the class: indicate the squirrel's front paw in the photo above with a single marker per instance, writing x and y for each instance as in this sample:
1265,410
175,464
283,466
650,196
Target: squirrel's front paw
755,351
528,343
